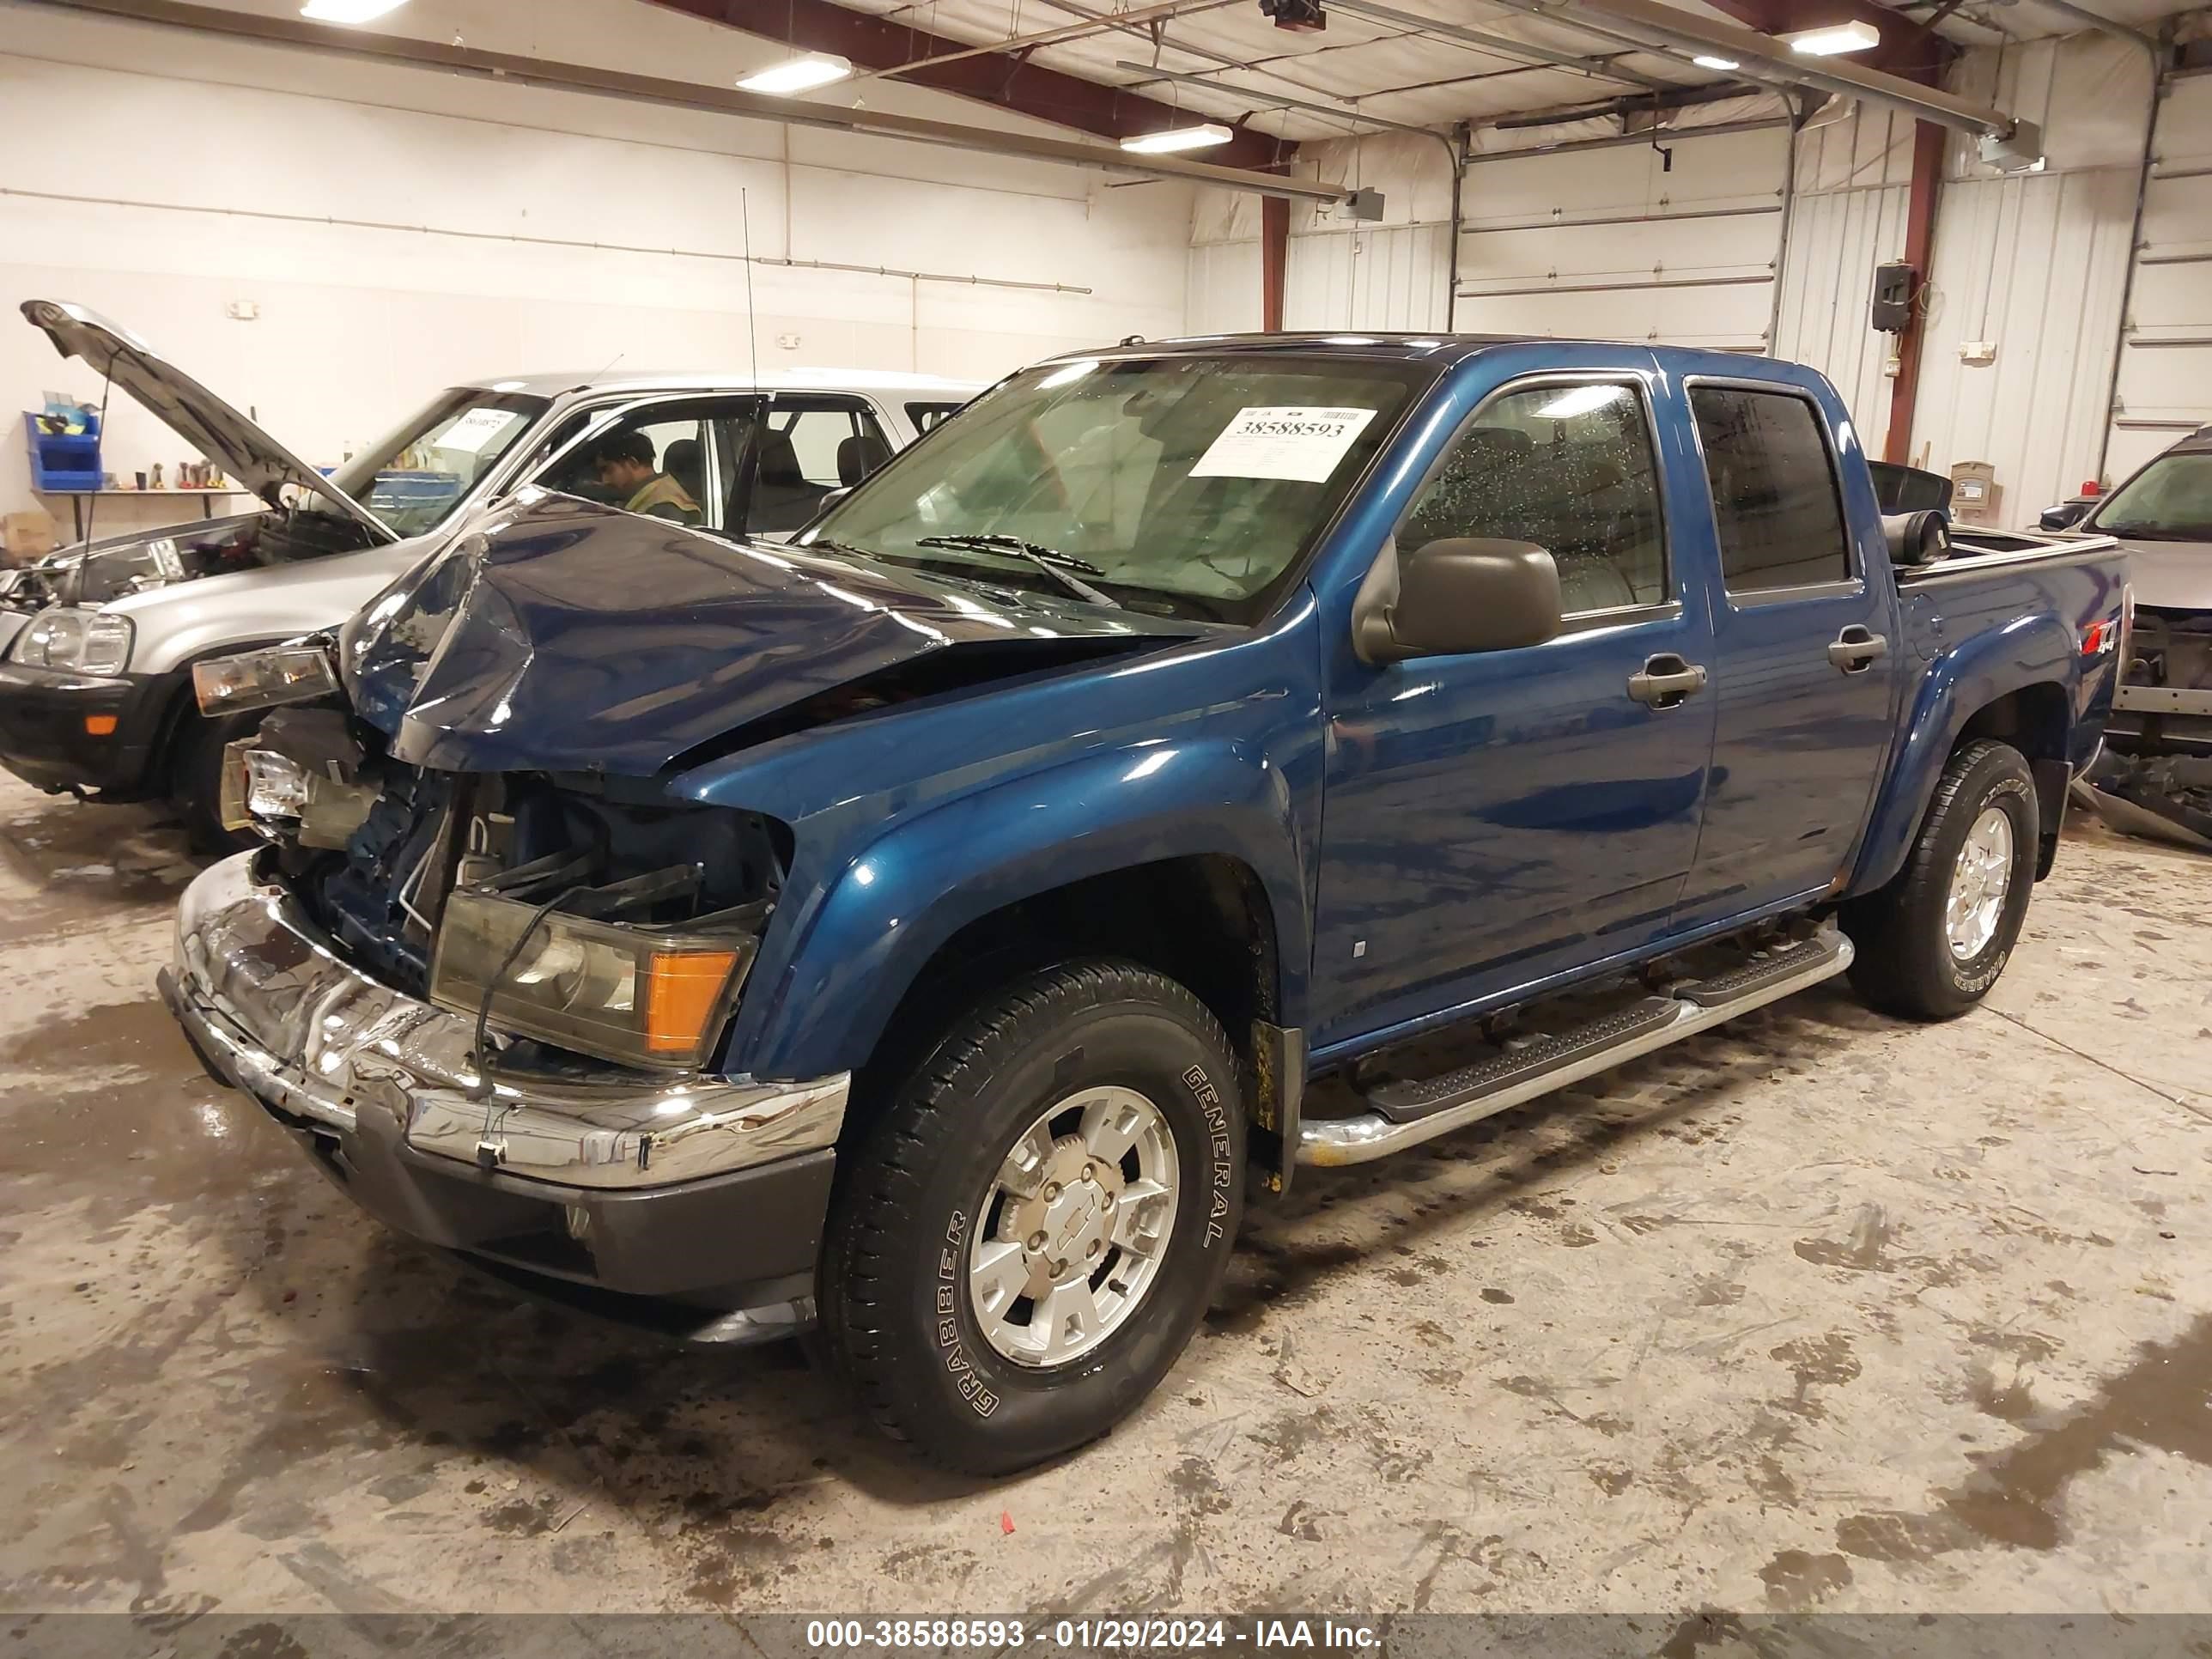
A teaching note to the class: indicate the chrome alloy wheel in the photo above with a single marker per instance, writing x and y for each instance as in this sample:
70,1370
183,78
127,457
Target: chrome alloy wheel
1979,883
1070,1236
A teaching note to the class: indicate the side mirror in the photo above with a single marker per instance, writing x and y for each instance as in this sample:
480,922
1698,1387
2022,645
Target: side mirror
1457,595
1917,539
2065,515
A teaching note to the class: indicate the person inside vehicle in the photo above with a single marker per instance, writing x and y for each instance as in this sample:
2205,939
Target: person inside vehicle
626,467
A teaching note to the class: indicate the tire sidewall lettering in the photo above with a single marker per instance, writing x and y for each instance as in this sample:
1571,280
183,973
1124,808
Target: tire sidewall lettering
1221,1153
945,1313
1980,978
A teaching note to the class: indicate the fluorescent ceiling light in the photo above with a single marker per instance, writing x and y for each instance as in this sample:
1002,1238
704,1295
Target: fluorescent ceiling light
349,11
1069,374
802,73
1706,60
1582,400
1153,143
1854,36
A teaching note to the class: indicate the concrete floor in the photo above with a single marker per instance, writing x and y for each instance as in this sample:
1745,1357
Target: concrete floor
1818,1310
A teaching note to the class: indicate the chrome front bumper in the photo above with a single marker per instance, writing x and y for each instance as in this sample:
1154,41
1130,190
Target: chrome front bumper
275,1009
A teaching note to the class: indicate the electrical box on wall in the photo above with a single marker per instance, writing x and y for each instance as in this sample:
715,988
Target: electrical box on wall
1893,287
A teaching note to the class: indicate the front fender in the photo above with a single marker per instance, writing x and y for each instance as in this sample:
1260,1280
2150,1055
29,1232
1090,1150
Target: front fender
896,899
2032,650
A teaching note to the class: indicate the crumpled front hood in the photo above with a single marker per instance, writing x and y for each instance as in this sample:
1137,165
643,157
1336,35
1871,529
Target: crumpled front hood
565,636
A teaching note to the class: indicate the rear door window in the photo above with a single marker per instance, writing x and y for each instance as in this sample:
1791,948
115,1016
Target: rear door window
1775,504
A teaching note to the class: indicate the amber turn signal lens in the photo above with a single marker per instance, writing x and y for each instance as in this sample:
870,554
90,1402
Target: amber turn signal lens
684,990
100,725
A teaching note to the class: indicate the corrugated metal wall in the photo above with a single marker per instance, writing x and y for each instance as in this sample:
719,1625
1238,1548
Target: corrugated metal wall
1854,176
1611,243
1617,244
1373,276
2166,353
2035,264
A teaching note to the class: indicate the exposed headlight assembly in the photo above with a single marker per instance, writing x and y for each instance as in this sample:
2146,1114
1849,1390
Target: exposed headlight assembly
263,679
88,642
638,995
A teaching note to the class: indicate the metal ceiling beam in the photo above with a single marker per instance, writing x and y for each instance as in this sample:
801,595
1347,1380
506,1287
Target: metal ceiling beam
337,40
991,76
1908,48
2088,19
1501,45
1024,43
1277,100
1763,55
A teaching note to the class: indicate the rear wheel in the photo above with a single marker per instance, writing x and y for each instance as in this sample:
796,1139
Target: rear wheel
1932,942
1025,1242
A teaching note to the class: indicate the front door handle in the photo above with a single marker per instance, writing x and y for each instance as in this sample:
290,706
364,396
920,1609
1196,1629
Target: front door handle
1666,680
1856,649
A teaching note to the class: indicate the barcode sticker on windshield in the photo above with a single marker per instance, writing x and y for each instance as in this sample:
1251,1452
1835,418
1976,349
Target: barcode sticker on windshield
474,430
1283,442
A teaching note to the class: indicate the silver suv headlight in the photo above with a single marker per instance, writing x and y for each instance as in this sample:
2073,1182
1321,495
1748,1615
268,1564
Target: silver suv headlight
88,642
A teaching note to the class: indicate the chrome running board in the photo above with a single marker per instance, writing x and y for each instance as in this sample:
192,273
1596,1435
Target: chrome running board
1407,1113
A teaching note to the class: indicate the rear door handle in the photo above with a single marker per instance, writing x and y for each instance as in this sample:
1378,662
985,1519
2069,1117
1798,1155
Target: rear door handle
1856,649
1666,680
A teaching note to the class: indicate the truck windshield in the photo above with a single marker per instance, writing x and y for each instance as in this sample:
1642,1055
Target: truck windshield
2169,500
416,476
1182,486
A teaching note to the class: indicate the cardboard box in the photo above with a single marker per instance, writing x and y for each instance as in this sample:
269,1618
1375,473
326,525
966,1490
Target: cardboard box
26,536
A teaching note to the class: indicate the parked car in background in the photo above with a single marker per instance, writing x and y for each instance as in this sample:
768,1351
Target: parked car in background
2159,764
101,639
932,924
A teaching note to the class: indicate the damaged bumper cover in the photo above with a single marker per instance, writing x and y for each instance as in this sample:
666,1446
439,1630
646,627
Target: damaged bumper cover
707,1189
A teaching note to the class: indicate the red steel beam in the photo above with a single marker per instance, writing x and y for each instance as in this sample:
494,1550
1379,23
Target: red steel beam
1907,48
1927,141
1009,79
1274,259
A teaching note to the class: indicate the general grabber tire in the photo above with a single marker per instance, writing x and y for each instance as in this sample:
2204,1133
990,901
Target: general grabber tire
1933,941
1025,1241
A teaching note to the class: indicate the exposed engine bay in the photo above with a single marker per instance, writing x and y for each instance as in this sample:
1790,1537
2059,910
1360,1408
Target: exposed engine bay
599,920
123,565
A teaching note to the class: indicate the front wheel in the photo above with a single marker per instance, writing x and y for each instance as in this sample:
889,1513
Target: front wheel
1028,1238
197,746
1933,941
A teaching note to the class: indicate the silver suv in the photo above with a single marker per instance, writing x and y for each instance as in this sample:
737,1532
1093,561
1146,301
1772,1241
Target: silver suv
100,639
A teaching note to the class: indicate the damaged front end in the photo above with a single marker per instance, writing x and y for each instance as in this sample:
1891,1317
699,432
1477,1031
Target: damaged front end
467,789
2154,778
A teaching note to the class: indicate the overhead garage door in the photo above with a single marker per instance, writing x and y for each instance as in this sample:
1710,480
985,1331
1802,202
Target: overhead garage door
1616,244
2165,352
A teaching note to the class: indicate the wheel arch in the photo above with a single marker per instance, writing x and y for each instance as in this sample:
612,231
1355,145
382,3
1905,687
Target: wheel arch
1995,687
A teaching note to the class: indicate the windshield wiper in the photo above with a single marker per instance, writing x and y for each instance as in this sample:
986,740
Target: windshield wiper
1059,567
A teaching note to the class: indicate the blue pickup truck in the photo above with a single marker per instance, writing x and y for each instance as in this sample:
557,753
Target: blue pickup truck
925,932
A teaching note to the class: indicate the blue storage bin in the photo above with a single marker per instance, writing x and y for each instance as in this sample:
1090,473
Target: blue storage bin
61,462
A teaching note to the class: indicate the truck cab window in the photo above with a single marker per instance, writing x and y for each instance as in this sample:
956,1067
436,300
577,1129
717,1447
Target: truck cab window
1775,506
1567,466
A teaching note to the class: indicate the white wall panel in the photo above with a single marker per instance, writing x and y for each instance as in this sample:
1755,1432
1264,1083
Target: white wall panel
1848,217
501,229
2036,264
1378,277
1223,295
2166,353
1615,244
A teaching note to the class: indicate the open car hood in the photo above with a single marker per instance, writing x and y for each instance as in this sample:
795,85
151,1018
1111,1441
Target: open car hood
565,636
217,430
